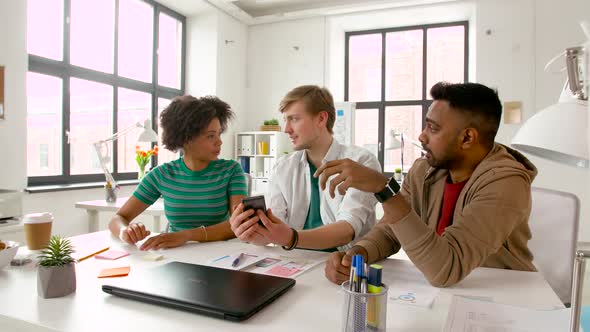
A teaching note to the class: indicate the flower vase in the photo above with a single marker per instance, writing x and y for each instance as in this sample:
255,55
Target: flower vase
141,172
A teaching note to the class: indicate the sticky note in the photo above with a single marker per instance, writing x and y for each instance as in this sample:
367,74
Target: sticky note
114,272
153,257
112,254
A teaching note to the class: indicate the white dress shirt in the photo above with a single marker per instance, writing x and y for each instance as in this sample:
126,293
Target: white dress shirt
290,192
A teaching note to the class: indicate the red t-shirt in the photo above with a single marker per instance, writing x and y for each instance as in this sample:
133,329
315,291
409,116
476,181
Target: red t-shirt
450,196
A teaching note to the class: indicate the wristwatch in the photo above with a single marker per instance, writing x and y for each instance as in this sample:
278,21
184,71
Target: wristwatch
390,190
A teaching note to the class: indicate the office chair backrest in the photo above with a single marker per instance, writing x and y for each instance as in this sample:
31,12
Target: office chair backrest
554,225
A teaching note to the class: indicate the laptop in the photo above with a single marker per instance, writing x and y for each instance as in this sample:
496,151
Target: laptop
222,293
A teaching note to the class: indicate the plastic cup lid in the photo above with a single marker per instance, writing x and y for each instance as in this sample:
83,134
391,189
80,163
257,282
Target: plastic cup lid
38,218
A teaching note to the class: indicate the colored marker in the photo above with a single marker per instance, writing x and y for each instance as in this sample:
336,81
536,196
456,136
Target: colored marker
236,261
220,258
374,287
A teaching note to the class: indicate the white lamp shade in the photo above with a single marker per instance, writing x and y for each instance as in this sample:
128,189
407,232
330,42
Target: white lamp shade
558,133
148,134
393,141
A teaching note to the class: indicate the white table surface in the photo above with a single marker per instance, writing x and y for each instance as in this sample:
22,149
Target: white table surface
313,304
155,210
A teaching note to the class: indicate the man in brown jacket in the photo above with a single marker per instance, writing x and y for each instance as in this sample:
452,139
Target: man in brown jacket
465,204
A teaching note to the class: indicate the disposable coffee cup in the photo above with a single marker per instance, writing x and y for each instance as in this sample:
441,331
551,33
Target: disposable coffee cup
37,229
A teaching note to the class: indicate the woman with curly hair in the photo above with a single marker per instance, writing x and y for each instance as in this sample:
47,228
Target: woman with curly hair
199,190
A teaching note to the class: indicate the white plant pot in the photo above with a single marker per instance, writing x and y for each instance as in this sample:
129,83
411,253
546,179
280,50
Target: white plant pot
56,281
397,176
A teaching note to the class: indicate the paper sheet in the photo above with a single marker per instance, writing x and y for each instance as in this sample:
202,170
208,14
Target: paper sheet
408,286
480,316
226,261
267,261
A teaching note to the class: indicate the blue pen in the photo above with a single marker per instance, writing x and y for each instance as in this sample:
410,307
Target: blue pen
237,260
220,258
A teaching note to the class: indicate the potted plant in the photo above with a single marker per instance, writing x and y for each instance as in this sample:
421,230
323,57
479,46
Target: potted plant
271,125
397,175
56,275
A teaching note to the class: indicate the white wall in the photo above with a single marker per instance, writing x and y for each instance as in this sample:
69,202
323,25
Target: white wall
13,56
281,56
215,67
231,75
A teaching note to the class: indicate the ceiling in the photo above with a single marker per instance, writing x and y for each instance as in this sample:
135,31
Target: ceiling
267,11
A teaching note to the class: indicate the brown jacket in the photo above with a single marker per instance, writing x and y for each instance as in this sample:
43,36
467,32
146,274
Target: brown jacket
490,223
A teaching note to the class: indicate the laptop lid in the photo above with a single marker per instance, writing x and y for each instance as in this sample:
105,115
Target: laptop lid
222,293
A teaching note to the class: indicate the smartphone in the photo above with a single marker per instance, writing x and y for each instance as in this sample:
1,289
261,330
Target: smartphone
255,203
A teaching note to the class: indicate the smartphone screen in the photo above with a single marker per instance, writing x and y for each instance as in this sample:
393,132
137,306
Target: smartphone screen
255,203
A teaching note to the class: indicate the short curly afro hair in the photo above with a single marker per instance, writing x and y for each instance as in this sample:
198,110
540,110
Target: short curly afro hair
187,117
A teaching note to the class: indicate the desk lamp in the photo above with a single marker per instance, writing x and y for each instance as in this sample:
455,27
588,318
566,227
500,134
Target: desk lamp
397,141
102,147
560,133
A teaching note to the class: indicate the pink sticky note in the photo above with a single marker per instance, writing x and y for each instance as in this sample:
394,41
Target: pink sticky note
112,254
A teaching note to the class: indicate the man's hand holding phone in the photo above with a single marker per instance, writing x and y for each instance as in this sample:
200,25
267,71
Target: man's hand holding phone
255,203
252,222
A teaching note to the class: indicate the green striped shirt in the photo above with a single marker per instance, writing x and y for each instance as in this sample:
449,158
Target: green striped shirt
193,199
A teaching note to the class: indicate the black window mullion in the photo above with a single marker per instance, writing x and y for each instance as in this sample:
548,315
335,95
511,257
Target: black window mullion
381,131
346,60
66,91
115,129
466,53
424,63
65,119
156,42
183,56
115,113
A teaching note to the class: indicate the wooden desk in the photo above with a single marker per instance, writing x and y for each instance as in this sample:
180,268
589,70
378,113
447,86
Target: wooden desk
156,210
314,304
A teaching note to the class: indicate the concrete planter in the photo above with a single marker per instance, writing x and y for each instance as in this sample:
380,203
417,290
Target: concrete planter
56,281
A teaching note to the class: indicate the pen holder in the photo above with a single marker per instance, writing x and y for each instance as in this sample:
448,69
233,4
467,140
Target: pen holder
364,311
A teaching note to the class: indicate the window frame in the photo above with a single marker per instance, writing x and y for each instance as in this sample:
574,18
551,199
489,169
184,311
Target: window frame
64,70
382,104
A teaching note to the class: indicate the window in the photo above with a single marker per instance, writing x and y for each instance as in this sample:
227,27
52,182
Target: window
389,74
97,68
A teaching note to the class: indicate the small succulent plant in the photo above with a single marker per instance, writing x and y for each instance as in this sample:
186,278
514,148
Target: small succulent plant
58,252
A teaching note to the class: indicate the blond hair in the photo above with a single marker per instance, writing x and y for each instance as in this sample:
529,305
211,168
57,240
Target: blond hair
316,100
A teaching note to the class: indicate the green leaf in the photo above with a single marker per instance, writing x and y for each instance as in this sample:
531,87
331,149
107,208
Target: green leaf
57,252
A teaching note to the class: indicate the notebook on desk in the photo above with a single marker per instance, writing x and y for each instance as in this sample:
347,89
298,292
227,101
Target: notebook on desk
212,291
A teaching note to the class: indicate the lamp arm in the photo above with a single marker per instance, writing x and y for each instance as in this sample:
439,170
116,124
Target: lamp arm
101,158
121,133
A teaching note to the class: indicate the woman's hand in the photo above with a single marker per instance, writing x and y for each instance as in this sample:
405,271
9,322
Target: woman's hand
166,240
133,233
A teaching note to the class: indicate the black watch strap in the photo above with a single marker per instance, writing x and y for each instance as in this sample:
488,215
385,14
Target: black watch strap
390,190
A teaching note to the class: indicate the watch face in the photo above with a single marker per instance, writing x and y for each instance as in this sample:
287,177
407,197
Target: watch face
394,185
